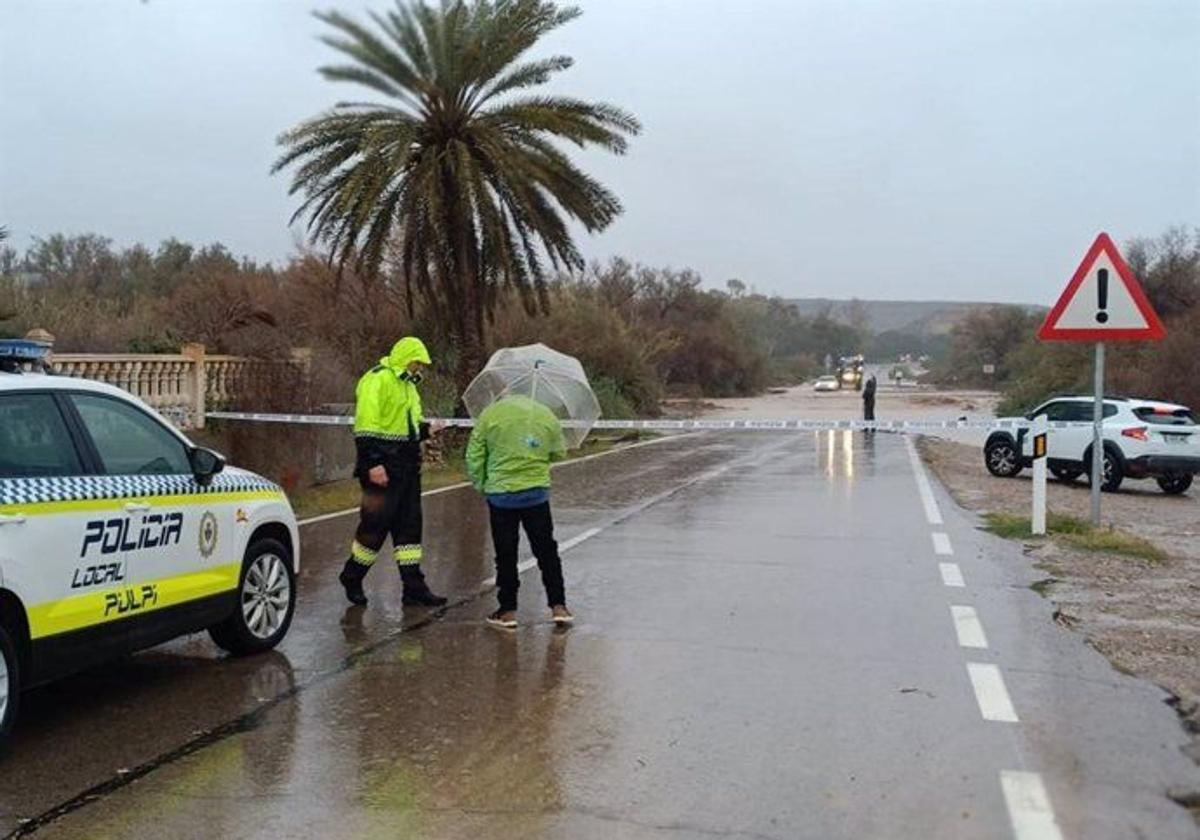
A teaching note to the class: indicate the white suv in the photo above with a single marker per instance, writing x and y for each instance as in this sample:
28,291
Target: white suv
117,533
1142,439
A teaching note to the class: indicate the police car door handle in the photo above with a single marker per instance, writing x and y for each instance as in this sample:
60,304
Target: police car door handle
14,519
137,507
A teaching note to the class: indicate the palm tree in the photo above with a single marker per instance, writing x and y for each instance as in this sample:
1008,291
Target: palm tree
457,180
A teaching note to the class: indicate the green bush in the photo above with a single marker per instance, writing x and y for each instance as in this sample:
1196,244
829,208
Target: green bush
614,404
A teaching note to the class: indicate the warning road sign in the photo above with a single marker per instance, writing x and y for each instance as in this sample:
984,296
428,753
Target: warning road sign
1103,302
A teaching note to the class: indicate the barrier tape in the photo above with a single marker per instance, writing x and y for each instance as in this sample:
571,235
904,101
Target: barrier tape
686,425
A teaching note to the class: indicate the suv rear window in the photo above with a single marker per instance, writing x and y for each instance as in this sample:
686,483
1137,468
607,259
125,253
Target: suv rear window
1166,416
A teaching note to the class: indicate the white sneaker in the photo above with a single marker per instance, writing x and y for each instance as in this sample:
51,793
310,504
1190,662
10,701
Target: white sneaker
562,615
500,618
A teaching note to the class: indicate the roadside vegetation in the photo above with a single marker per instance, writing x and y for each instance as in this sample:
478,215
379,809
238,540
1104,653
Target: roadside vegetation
643,333
1027,371
1077,533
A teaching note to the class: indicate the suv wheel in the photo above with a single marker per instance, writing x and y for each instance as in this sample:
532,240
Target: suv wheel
266,601
1002,458
10,683
1173,485
1113,471
1066,474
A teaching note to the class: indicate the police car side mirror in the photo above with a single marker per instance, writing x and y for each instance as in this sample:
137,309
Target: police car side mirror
205,464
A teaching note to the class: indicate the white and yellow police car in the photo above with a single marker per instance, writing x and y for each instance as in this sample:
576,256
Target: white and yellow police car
117,533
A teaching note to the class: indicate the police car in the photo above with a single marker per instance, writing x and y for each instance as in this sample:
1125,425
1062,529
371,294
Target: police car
117,533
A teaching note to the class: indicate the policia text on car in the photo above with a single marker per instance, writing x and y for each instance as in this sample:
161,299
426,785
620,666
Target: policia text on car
388,430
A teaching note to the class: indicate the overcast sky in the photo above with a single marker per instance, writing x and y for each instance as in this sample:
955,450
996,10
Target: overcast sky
891,149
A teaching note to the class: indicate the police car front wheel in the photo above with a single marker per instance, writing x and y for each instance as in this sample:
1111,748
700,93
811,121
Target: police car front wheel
10,688
266,600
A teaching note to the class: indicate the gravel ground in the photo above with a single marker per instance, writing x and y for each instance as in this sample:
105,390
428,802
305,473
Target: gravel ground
1144,617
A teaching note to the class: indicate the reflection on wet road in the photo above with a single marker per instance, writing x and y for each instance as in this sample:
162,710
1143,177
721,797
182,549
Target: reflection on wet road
765,648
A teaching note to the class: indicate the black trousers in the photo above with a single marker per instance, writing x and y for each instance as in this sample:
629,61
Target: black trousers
869,409
394,510
539,528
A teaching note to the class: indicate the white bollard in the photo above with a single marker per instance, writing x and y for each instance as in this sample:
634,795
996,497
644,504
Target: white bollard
1041,430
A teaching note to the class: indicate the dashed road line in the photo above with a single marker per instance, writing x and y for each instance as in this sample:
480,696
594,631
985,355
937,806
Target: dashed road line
991,693
951,574
941,543
968,627
528,563
645,504
325,517
932,513
1029,806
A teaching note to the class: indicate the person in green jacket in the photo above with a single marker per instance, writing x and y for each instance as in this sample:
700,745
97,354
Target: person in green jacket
513,443
388,430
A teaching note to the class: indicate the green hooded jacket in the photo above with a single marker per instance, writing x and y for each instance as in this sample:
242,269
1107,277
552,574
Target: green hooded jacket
512,446
388,420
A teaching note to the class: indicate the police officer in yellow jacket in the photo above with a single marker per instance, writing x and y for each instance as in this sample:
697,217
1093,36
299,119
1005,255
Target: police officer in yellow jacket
388,430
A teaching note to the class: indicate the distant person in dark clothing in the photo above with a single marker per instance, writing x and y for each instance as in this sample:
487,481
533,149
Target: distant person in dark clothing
868,396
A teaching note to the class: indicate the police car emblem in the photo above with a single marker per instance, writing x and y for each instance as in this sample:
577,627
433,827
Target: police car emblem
208,534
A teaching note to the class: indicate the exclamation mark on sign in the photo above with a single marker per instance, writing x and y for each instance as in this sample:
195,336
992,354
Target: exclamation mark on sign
1102,290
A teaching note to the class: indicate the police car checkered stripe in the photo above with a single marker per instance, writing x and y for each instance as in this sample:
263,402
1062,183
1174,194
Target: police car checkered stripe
18,491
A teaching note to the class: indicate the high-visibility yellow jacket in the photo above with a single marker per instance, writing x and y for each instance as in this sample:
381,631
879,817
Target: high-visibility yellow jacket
388,422
512,446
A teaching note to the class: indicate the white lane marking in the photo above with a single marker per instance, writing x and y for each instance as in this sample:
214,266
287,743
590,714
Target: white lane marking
968,627
645,504
941,544
932,513
1029,806
529,562
951,574
325,517
991,693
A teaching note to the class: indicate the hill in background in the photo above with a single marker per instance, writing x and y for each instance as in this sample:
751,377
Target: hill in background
914,317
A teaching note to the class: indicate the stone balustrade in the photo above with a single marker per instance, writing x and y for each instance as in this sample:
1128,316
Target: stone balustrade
181,386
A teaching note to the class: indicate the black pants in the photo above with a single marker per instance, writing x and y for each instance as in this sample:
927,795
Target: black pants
869,409
539,528
394,510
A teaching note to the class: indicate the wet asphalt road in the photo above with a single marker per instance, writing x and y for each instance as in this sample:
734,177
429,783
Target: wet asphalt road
765,649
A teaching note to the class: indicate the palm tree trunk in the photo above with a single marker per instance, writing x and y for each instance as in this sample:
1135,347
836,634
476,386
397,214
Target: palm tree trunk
469,317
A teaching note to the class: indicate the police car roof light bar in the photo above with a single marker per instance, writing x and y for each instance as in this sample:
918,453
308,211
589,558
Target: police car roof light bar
15,352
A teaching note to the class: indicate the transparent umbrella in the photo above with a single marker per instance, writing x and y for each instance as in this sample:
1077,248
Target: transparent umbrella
554,379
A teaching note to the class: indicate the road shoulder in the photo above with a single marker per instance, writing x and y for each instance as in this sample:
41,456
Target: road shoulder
1143,615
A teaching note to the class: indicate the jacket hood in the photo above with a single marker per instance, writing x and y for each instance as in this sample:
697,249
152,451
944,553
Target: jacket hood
406,351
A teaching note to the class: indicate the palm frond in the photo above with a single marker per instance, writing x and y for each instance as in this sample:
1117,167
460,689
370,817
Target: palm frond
458,179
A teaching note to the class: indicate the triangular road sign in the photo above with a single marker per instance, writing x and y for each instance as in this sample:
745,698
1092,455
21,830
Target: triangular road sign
1103,302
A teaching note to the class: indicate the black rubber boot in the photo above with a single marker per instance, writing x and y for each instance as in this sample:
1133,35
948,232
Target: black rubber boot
416,591
352,577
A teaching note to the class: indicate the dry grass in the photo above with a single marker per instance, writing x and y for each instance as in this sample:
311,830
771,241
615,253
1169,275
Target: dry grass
1077,533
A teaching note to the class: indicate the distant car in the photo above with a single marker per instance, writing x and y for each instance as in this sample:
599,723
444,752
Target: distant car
117,533
1142,439
826,383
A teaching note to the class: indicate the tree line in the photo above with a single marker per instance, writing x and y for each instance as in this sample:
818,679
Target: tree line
1027,371
643,333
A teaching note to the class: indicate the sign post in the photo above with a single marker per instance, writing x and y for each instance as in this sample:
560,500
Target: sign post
1097,469
1041,429
1093,308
